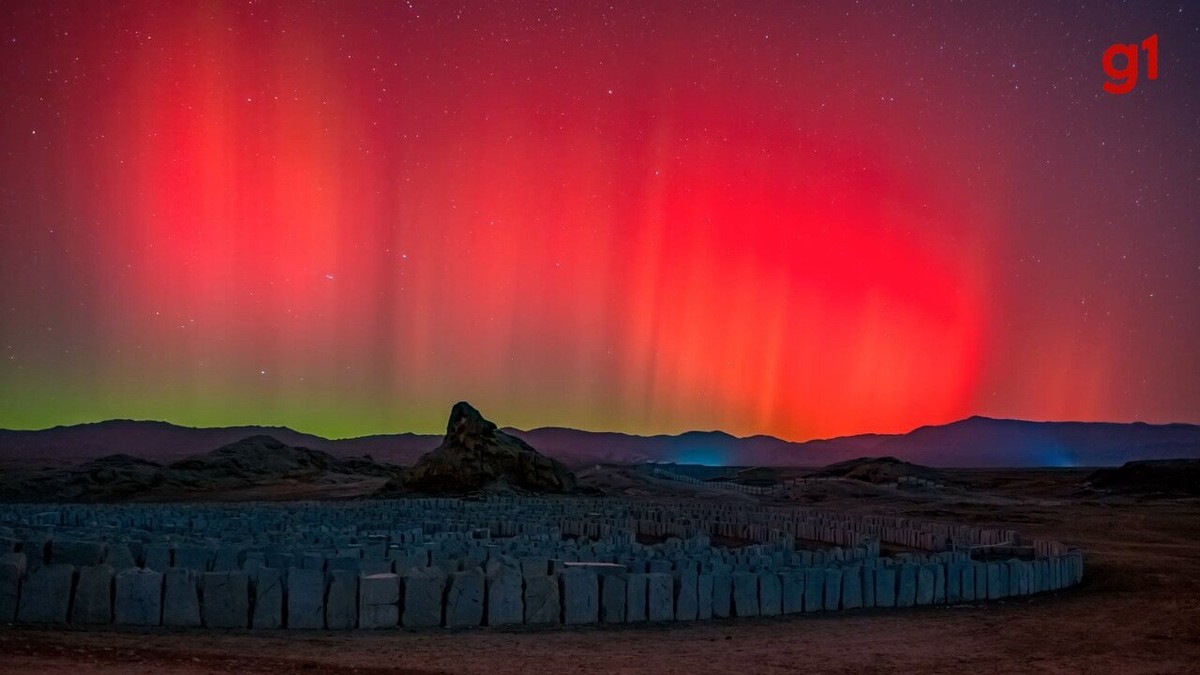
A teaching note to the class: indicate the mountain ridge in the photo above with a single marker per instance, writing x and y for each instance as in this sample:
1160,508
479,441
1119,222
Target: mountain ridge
975,441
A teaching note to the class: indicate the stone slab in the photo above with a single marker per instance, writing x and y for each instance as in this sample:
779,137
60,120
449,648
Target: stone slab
138,597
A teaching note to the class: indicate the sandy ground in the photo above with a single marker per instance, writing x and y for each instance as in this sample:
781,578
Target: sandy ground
1138,611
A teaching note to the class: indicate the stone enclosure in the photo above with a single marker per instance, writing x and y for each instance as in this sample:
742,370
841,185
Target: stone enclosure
427,563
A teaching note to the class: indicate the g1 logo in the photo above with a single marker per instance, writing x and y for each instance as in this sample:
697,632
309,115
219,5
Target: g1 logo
1124,79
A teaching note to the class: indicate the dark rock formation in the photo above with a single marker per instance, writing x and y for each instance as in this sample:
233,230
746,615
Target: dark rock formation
877,470
476,456
1165,478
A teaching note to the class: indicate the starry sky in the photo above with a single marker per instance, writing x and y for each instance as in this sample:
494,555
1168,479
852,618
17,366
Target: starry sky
804,219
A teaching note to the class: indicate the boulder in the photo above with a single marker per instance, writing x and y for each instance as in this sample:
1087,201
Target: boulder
475,455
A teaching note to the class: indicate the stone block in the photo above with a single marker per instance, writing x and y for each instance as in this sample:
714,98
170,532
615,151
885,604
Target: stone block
906,589
157,557
966,592
660,601
868,585
939,584
926,577
833,589
722,595
885,586
770,593
852,587
266,589
119,556
181,598
542,604
981,589
77,553
505,603
464,600
341,600
379,601
687,606
814,589
227,559
704,596
225,599
35,550
424,595
792,585
636,598
197,558
581,596
10,591
305,598
613,590
953,583
995,585
745,594
138,598
535,567
93,596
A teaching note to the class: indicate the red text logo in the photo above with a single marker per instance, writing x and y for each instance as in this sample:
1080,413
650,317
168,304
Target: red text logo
1125,78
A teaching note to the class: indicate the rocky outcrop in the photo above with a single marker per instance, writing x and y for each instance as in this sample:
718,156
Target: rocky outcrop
1163,478
476,456
877,470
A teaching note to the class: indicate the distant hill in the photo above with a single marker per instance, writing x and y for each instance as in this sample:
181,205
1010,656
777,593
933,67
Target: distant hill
1168,477
164,441
877,470
973,442
256,461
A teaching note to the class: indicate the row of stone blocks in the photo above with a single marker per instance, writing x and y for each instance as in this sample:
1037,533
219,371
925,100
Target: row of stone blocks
426,597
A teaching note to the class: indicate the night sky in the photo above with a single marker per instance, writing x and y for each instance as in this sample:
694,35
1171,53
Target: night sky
800,219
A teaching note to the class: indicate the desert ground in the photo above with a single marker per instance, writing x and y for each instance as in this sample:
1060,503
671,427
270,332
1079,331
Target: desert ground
1137,611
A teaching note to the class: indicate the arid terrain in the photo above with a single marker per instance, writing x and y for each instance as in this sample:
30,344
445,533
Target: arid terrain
1138,610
